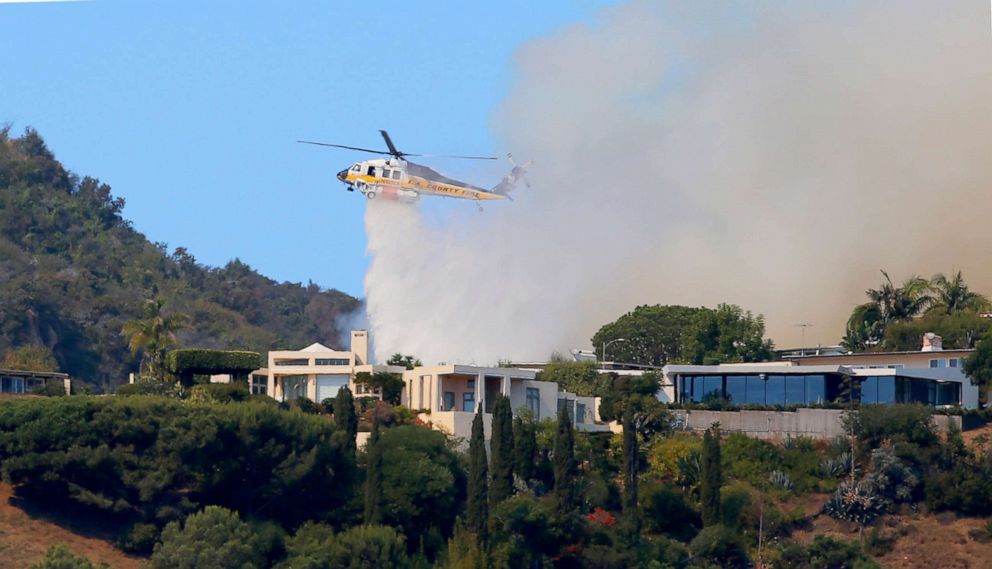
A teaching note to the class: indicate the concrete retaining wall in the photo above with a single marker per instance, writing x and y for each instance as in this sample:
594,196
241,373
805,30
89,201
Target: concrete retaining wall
813,423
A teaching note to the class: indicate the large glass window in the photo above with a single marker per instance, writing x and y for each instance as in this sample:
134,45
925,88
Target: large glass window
534,402
468,402
887,390
294,387
580,413
948,393
449,401
795,389
737,389
299,362
869,390
259,384
755,390
815,389
775,390
331,362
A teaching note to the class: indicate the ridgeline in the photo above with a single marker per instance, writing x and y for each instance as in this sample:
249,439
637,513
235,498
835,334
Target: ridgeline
73,270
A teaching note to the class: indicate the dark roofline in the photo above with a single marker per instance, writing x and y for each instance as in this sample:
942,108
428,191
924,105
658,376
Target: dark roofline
38,374
908,352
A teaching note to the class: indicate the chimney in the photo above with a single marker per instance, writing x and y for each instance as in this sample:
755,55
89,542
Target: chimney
932,343
360,346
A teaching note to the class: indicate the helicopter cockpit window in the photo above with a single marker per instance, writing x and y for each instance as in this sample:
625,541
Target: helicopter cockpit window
396,174
356,168
371,171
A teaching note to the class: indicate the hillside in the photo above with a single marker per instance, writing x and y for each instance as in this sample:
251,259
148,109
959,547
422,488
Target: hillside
73,270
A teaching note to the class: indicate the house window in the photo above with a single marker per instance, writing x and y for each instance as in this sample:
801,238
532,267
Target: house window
534,402
259,384
468,402
294,387
953,362
580,413
449,401
471,384
331,362
938,363
303,362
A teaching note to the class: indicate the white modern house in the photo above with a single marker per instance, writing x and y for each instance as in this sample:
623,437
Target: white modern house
318,372
448,396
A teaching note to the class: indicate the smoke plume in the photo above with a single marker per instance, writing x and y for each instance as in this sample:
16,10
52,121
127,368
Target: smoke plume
773,156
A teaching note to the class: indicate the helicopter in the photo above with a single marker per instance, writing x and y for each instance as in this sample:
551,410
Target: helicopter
396,178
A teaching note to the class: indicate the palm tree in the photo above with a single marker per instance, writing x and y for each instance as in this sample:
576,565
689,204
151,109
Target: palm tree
887,304
153,336
952,295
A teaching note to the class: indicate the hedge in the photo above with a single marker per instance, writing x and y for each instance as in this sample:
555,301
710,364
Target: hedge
198,361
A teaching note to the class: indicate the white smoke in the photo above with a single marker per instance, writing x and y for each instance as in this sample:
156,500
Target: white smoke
773,156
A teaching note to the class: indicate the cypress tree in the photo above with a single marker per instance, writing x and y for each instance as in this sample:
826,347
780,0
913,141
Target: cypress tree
565,467
630,469
712,474
501,447
345,416
373,477
524,447
477,509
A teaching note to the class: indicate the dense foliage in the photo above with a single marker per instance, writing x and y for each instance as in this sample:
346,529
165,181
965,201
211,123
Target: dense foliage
205,362
73,272
658,335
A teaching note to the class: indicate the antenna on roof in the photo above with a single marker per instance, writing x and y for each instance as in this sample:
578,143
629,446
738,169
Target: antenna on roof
804,326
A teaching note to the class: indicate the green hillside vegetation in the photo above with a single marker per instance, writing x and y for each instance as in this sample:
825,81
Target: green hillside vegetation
74,271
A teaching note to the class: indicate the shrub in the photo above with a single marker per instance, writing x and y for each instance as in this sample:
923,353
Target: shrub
891,478
666,511
139,538
207,362
966,489
873,424
52,388
720,545
857,503
219,392
157,459
823,553
362,547
215,538
734,501
305,405
666,455
59,557
149,387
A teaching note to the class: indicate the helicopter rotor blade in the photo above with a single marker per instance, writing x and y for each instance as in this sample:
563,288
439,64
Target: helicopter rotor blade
343,146
454,156
391,146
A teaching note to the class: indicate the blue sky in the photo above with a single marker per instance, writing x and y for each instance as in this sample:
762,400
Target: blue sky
190,110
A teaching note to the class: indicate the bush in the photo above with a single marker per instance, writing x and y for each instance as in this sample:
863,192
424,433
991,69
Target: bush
720,545
52,388
966,489
219,392
823,553
305,405
873,424
140,538
208,362
215,538
156,459
362,547
149,387
666,511
734,501
59,557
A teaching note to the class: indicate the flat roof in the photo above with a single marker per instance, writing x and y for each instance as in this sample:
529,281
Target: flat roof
877,354
38,374
476,370
755,369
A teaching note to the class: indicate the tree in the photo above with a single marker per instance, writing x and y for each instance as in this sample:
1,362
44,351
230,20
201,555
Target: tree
565,468
30,358
727,334
524,447
373,477
345,416
580,378
153,336
215,538
712,475
423,485
409,362
477,510
959,330
630,471
652,335
886,304
390,385
978,365
502,448
60,557
952,295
